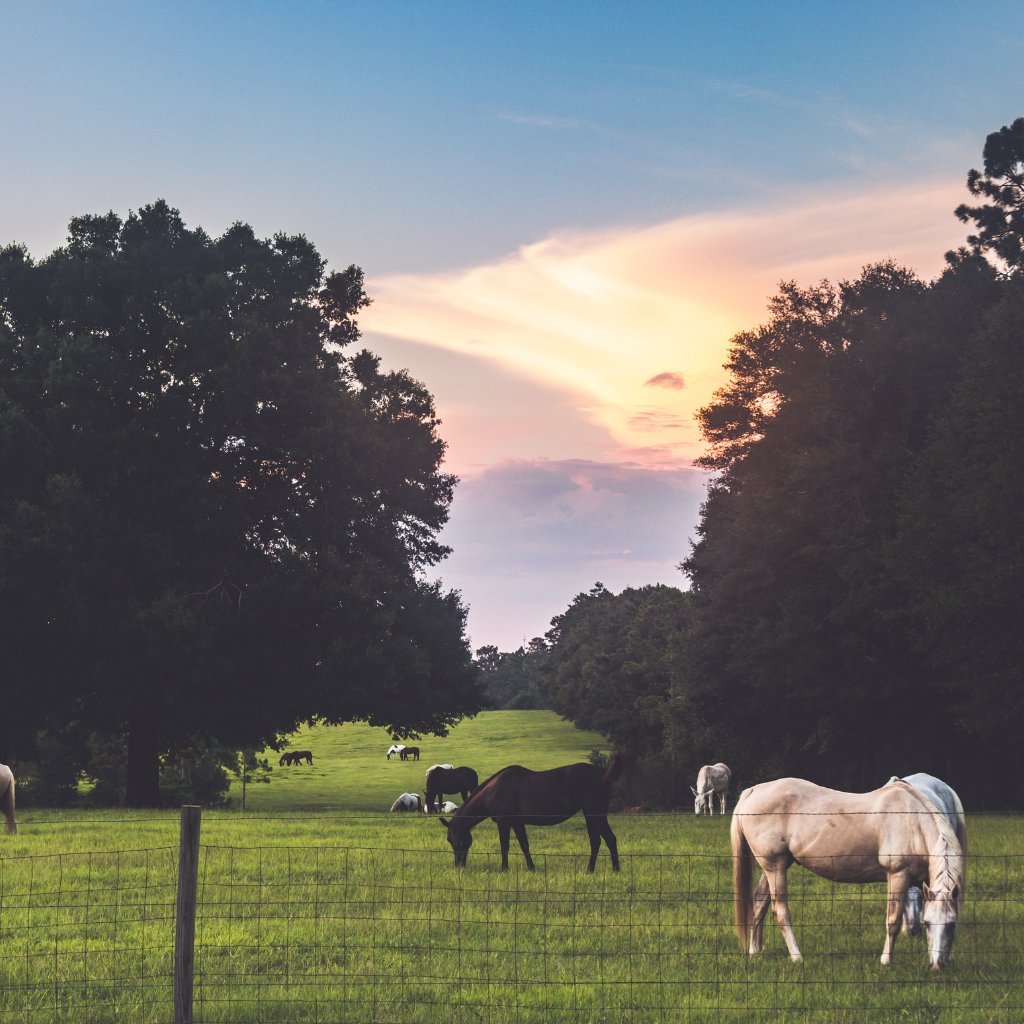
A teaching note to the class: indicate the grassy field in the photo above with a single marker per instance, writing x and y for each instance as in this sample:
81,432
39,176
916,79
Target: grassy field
350,770
360,916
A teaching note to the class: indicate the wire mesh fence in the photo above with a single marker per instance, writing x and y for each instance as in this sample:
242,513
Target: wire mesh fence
330,933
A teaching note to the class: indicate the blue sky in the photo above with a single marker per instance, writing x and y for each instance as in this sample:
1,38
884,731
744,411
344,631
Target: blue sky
627,173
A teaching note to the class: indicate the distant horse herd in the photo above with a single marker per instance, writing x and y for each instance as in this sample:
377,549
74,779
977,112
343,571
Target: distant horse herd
911,834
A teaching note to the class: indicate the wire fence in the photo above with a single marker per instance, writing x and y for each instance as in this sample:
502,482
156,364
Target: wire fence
330,933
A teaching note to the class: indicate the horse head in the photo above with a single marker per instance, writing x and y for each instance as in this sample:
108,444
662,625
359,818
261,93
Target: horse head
460,840
940,919
698,801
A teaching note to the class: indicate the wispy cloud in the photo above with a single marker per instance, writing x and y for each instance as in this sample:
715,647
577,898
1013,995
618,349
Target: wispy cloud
541,122
599,315
531,534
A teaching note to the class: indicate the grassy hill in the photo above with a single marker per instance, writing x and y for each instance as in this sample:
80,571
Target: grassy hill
350,770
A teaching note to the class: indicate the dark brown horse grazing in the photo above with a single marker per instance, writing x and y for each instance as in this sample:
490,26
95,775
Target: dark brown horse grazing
410,752
517,797
300,754
449,780
7,798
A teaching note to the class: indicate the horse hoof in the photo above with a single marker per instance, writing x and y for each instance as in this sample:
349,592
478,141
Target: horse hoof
885,959
798,958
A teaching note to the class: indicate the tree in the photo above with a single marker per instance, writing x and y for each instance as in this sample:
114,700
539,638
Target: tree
516,680
612,659
802,656
1001,222
960,551
213,521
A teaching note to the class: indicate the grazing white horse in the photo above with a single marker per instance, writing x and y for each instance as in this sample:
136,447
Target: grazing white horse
408,802
446,808
7,799
712,780
395,748
946,800
433,766
894,835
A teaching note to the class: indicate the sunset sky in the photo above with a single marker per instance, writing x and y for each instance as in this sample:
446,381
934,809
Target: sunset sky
564,210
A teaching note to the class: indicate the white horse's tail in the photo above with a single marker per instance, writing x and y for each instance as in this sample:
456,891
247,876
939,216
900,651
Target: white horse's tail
742,882
7,806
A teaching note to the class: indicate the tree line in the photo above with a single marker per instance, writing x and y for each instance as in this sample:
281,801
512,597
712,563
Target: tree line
856,601
214,520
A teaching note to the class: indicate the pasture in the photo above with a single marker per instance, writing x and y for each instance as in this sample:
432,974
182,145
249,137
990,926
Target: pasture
350,772
359,916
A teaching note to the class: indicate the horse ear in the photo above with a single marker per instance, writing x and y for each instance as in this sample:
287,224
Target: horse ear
443,822
694,792
928,894
955,894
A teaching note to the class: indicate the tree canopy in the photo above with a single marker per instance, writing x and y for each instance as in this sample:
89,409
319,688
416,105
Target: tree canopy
214,521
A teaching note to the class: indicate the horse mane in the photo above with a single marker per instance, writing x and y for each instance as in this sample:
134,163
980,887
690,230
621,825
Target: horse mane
951,857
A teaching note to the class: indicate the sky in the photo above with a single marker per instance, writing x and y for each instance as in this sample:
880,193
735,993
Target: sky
564,210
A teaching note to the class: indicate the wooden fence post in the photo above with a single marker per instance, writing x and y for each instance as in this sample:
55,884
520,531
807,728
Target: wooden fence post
185,923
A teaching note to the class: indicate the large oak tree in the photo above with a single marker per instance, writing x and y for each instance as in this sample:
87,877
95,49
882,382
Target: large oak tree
213,521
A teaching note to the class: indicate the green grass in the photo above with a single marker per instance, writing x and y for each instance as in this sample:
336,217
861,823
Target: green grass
360,916
350,770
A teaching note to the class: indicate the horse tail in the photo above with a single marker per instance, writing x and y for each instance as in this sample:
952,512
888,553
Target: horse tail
617,766
7,805
742,881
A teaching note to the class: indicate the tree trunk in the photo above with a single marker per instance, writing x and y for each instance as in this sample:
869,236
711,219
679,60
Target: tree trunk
143,780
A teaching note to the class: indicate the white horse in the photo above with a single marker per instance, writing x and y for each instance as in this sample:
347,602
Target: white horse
395,748
446,808
946,800
712,780
408,802
433,766
894,835
7,798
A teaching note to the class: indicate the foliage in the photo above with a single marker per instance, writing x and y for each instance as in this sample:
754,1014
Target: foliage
612,661
516,680
1000,223
804,659
960,546
214,520
598,757
49,776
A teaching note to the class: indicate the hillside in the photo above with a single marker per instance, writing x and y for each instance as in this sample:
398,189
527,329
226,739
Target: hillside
350,770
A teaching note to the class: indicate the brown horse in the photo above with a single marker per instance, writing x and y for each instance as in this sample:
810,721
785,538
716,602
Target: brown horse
893,835
517,797
7,798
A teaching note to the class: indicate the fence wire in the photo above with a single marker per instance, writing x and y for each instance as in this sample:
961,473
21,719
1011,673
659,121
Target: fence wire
325,934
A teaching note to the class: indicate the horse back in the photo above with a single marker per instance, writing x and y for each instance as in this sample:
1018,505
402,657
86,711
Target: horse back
546,797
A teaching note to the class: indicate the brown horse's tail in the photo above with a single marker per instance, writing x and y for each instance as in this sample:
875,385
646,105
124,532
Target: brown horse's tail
617,767
742,882
7,806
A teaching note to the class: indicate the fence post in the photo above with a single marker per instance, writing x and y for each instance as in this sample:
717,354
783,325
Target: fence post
185,922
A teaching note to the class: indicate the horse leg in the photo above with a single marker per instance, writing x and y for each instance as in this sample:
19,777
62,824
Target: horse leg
609,839
520,830
762,900
594,831
722,797
504,828
898,886
777,884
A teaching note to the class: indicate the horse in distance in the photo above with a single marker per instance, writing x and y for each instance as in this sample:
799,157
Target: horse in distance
442,780
300,755
712,780
408,802
7,799
892,835
516,797
410,752
395,748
